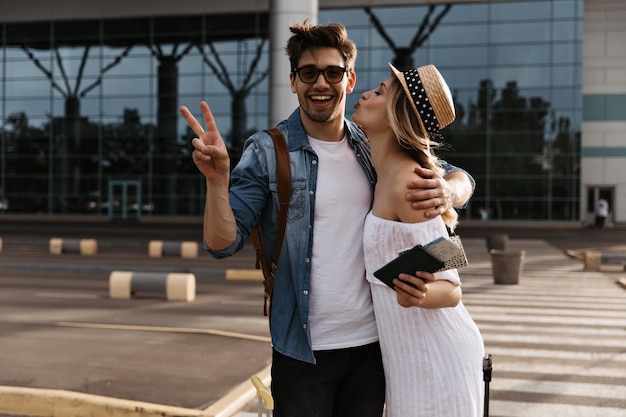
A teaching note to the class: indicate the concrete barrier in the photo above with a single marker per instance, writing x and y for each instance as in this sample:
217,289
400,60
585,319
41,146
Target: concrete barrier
599,261
186,249
175,286
592,260
83,246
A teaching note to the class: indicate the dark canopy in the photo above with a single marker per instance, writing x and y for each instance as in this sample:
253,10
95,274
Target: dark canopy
136,31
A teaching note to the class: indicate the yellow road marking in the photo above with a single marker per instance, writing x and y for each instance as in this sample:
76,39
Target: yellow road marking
244,274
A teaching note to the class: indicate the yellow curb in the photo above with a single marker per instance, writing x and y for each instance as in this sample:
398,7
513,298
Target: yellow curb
39,402
59,403
244,274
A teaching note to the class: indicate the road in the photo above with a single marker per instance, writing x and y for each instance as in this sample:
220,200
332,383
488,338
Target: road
558,338
61,330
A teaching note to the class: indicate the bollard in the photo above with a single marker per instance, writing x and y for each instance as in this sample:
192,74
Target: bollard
598,261
593,259
0,244
83,246
175,286
187,249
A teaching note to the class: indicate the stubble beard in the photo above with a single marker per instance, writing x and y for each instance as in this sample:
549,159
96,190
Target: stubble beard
324,116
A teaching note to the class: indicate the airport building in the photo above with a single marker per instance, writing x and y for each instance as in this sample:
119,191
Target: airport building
90,91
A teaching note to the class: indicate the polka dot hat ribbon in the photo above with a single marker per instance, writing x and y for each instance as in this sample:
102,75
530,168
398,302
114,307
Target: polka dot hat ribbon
422,103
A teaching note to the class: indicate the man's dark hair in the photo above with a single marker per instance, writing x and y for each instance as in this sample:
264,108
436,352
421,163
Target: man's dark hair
307,37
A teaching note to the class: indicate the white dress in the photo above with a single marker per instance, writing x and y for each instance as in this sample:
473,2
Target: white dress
432,357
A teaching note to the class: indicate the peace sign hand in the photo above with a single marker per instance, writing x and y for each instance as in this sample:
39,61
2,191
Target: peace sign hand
210,153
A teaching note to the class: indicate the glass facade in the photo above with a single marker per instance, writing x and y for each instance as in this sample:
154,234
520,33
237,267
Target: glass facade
89,109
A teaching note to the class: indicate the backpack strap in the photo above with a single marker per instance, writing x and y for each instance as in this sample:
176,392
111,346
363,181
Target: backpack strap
283,183
283,180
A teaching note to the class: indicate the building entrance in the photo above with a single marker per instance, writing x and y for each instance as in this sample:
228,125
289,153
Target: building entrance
594,194
124,199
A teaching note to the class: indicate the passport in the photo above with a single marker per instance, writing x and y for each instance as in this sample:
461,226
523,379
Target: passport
440,254
409,261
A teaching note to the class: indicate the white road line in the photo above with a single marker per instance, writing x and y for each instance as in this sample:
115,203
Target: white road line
506,300
554,330
525,409
550,312
555,354
583,370
539,320
578,389
558,341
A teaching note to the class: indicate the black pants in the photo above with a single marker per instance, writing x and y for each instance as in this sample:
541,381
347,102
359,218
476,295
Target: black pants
343,383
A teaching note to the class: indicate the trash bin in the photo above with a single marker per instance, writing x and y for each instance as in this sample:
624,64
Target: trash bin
507,267
497,242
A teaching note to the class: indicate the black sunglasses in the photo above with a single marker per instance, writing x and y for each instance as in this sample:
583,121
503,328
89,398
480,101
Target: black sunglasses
309,75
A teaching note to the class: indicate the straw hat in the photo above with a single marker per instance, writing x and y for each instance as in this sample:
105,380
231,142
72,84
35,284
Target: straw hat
430,96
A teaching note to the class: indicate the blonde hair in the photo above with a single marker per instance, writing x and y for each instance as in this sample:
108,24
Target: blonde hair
412,138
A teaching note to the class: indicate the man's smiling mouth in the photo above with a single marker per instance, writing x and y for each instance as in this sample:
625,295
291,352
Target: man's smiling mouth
320,98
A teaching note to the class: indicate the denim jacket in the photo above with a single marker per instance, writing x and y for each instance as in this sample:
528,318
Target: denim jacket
253,197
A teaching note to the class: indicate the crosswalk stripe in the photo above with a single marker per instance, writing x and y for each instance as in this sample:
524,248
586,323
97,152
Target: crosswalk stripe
561,388
563,301
553,312
613,331
548,341
533,409
572,370
542,319
557,354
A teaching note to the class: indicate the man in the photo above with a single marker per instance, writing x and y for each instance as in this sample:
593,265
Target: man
326,358
602,212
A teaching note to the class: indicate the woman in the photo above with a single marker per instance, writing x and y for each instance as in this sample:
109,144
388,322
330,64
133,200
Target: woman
432,349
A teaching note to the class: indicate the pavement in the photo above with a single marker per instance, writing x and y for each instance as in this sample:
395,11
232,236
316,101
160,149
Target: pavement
123,244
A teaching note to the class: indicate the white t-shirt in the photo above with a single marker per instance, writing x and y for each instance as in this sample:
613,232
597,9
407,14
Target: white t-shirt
341,314
602,208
